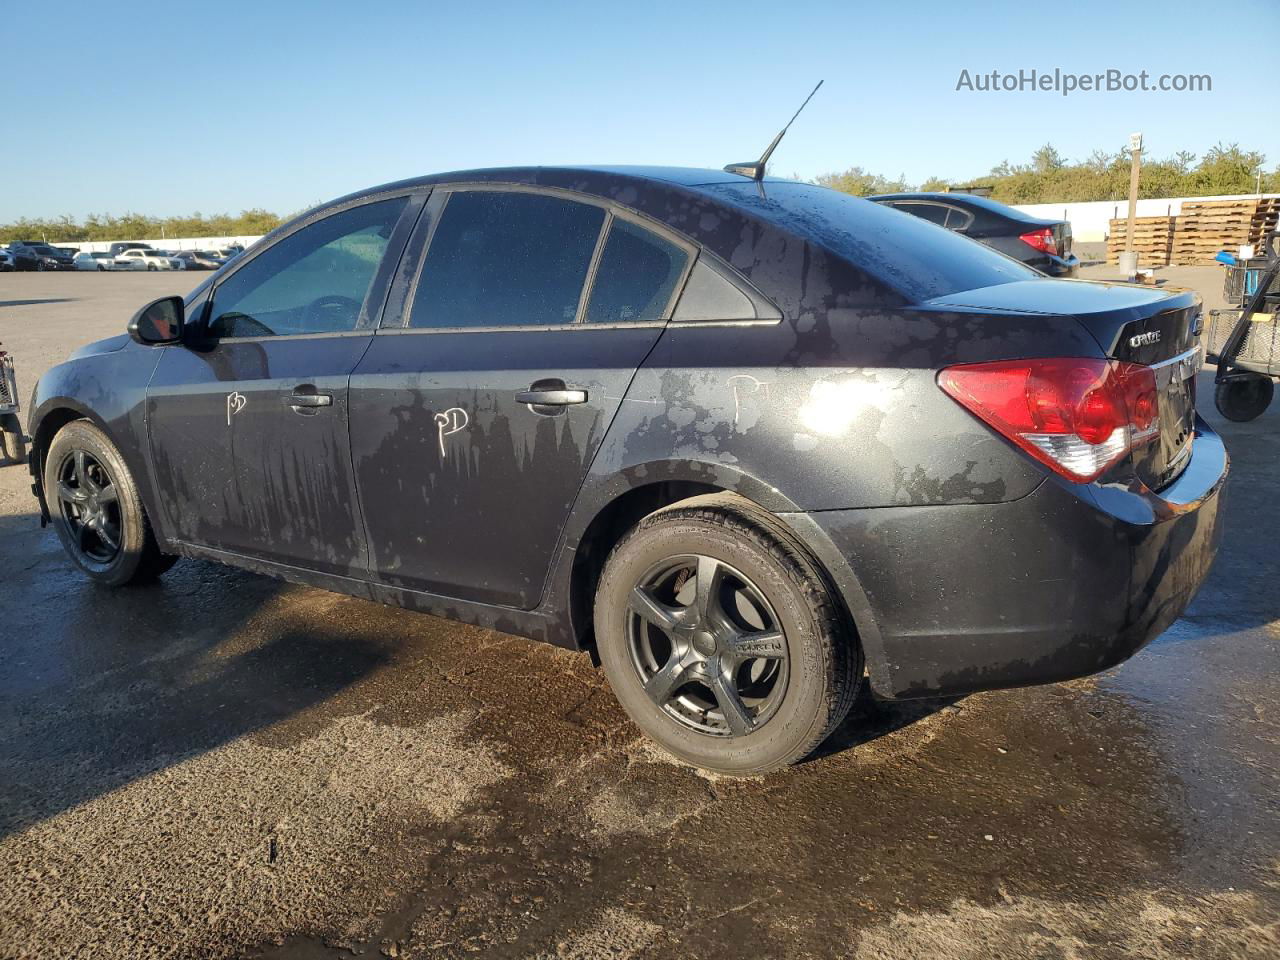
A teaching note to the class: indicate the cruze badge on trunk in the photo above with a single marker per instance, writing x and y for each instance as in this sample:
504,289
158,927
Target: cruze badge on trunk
1145,339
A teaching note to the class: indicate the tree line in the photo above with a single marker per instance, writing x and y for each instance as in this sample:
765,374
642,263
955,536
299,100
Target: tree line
136,226
1050,178
1047,178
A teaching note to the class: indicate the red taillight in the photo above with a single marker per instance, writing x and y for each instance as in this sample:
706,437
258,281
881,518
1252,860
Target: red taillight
1042,240
1077,415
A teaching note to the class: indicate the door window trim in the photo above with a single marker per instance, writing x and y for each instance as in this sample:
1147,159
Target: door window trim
379,286
433,214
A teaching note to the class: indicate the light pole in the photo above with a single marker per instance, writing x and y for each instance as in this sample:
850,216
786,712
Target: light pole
1129,262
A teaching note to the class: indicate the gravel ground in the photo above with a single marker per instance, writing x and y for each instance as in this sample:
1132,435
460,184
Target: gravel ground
223,765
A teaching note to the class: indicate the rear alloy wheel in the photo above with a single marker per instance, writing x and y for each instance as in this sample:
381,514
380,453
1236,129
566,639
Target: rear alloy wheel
96,508
721,638
707,646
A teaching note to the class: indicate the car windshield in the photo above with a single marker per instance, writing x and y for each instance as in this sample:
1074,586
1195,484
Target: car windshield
100,256
913,256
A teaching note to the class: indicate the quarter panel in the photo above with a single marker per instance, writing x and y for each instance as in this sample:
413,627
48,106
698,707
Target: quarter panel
833,413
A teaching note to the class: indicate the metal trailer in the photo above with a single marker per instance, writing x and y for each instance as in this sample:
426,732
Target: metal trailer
11,438
1244,341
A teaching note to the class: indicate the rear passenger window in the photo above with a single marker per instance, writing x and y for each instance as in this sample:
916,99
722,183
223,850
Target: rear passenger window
958,220
933,212
637,276
506,259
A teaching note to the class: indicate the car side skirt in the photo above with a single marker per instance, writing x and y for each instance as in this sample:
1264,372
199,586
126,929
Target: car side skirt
534,624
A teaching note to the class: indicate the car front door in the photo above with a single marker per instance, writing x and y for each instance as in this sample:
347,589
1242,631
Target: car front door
248,419
486,392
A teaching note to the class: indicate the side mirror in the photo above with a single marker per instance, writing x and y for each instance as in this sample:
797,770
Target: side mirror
158,322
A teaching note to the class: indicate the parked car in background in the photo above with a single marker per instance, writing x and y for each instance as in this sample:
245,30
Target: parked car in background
738,437
7,264
23,258
199,259
1043,244
40,256
118,248
102,261
150,259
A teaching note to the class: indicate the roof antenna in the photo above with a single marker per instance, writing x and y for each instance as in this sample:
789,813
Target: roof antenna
755,169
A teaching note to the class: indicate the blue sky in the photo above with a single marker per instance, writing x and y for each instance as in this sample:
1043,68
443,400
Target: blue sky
168,108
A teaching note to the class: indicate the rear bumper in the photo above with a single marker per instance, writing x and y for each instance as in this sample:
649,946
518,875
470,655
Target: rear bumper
1063,267
1069,580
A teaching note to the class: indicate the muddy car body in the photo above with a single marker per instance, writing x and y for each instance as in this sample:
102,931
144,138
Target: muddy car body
786,405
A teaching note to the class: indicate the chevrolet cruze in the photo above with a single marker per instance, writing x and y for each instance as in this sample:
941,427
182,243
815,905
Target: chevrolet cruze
751,442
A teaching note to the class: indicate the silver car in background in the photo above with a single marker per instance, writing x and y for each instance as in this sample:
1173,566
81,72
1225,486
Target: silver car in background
101,261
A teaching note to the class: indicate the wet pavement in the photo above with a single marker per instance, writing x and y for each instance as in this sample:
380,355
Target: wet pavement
223,765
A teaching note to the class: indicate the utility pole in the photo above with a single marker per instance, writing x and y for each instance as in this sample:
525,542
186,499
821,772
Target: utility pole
1129,266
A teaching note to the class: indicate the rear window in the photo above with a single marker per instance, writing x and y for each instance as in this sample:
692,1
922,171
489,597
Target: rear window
918,259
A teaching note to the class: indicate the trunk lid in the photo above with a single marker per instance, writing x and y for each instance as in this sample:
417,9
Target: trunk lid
1154,328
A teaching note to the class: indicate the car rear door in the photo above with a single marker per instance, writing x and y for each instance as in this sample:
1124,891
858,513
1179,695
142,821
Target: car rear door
496,373
248,420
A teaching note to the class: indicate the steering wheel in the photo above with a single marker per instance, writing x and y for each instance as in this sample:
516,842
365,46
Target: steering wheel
331,313
235,324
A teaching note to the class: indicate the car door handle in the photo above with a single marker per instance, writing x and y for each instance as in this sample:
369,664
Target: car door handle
310,400
561,397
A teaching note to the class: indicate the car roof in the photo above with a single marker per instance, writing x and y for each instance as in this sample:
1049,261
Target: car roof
683,176
756,227
970,200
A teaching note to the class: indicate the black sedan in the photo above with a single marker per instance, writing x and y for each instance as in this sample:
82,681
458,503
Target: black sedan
1043,244
28,255
740,438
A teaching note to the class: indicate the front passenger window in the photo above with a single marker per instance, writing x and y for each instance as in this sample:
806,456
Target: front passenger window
314,281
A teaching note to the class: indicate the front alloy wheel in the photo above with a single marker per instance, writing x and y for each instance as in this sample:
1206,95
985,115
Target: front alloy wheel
96,509
90,505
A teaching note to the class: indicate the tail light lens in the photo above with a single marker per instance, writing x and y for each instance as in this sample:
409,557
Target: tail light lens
1041,240
1075,415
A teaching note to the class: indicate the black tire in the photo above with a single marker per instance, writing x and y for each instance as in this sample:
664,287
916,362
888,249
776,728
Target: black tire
791,672
152,266
1244,399
14,443
125,550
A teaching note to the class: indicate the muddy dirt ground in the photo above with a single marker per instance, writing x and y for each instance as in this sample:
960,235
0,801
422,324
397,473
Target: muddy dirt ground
222,765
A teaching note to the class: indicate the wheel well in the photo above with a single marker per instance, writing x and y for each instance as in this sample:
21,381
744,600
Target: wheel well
50,424
603,533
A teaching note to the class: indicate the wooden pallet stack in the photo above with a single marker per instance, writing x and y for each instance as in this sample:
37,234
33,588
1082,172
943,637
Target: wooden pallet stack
1152,240
1266,219
1206,227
